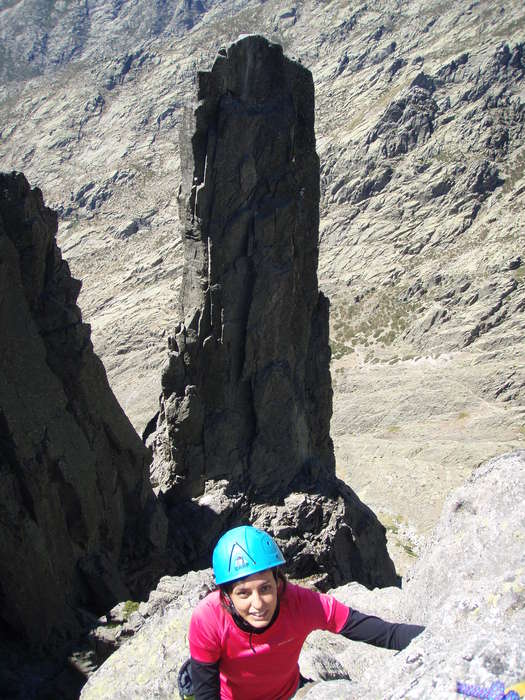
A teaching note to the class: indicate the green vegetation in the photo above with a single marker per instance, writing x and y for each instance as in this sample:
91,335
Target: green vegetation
408,549
339,349
394,429
463,415
130,606
381,319
392,524
519,274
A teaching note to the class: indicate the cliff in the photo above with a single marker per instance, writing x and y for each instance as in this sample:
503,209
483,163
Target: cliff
77,512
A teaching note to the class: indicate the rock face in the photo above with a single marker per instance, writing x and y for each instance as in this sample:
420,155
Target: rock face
246,398
76,508
467,588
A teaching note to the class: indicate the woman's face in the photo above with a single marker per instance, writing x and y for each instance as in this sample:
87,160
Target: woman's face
255,598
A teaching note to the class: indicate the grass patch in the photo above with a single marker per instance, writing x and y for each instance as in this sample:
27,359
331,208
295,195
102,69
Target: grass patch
391,523
394,429
130,606
380,319
519,274
339,349
463,414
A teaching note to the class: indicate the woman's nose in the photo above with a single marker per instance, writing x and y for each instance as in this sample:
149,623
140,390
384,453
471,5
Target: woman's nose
256,601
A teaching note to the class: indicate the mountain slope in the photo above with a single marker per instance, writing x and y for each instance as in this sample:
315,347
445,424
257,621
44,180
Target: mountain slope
420,114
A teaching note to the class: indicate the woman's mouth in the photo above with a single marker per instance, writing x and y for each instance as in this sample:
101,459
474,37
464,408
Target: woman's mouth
258,616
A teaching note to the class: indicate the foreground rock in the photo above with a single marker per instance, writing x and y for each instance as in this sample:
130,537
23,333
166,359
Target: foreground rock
244,424
468,588
79,520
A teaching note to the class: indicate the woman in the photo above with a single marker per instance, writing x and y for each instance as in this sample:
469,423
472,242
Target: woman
245,638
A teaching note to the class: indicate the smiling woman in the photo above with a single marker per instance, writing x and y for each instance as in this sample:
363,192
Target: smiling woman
255,598
245,638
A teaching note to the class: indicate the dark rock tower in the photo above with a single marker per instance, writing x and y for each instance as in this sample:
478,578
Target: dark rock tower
77,513
244,427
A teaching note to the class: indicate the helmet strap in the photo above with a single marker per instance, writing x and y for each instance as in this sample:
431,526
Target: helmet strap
240,621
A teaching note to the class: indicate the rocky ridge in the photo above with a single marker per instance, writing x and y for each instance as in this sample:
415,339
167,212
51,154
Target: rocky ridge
419,115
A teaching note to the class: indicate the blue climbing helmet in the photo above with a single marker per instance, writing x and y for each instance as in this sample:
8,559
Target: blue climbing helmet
244,551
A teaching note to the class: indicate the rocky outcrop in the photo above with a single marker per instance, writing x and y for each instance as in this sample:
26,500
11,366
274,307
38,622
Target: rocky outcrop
78,517
246,398
467,588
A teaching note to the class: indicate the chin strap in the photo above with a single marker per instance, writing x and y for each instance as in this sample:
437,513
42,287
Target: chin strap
241,622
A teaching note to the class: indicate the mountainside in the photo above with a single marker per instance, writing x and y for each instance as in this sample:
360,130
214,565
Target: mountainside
419,121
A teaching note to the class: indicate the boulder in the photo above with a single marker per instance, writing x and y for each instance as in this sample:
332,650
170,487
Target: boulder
468,588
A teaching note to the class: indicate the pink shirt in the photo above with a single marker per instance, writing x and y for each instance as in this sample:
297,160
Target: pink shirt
267,669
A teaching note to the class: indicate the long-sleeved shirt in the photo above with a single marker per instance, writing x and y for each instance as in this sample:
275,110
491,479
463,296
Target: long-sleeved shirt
230,663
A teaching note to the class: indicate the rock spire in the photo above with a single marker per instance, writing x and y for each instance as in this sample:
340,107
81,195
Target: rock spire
243,432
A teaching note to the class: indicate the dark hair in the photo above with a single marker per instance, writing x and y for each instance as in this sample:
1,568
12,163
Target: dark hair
227,588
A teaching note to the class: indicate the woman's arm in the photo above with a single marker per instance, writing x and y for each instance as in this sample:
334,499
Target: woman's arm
373,630
205,680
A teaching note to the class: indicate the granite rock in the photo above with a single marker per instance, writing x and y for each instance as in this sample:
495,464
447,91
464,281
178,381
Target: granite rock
467,588
243,431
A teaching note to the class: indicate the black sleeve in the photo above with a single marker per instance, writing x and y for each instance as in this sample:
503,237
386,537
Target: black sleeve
373,630
205,680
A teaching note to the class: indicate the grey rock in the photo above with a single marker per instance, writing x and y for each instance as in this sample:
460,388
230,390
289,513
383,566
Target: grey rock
156,642
332,690
408,121
467,587
129,230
